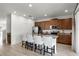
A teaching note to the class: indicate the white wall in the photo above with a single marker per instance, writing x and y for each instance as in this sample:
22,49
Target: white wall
9,23
1,39
4,34
2,30
20,26
2,24
73,33
77,32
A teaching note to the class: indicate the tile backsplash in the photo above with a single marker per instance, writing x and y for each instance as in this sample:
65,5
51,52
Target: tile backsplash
56,30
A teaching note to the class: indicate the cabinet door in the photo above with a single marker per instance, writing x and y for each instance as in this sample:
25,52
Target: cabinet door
55,22
9,38
64,39
60,39
67,39
60,23
42,25
47,25
67,23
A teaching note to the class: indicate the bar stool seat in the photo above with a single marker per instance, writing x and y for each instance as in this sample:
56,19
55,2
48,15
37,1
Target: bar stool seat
30,41
49,45
38,43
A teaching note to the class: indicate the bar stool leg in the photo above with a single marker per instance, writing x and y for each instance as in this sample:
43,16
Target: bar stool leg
44,50
35,47
52,51
22,43
40,49
25,44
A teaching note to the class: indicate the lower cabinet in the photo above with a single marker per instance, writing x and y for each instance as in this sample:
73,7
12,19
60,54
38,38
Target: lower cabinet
65,39
9,38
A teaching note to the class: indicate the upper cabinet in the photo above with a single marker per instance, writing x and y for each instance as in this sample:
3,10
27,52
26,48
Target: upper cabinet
54,22
60,23
66,23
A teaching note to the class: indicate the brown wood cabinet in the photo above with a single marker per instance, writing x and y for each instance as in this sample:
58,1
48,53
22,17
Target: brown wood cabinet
60,23
65,39
54,22
66,23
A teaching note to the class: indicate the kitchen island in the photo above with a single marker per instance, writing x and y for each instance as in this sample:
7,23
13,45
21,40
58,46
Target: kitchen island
54,38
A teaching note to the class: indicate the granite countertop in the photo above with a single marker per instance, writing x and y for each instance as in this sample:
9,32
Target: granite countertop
57,30
54,36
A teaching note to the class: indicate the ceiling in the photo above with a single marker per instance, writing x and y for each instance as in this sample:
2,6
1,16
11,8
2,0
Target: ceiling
37,10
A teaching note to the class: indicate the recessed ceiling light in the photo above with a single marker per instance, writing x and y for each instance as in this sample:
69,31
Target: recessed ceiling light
30,5
24,15
45,14
66,10
14,12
